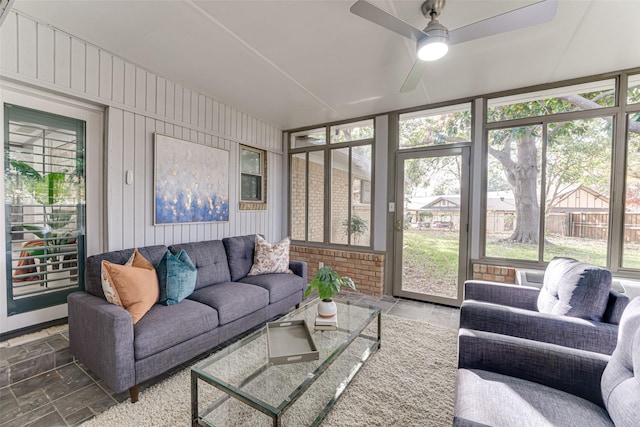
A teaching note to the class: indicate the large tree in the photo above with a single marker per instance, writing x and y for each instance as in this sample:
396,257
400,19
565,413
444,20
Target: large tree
572,154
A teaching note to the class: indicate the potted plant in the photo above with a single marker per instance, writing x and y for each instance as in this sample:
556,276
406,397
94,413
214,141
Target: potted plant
328,283
49,190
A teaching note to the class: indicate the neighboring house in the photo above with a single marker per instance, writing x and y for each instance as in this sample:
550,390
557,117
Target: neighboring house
577,211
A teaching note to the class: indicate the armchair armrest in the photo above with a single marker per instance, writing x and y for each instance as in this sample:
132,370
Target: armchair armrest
525,297
577,372
101,337
566,331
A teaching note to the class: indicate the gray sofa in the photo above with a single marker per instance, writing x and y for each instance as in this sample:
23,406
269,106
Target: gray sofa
225,303
508,381
580,309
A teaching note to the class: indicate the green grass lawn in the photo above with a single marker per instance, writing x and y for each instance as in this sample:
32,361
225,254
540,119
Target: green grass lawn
432,256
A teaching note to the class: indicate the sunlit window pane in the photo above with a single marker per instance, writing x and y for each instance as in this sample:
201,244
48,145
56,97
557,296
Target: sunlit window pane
298,200
578,170
633,89
354,131
360,221
309,138
513,193
340,196
316,197
438,126
587,96
631,248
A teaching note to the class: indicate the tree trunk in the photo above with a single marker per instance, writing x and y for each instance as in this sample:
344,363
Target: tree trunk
523,178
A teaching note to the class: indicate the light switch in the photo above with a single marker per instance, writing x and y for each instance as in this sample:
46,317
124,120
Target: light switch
392,207
129,177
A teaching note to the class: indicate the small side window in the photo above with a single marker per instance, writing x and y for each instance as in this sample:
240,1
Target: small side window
253,177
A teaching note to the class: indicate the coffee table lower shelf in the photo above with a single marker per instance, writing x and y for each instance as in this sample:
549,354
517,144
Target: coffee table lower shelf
306,402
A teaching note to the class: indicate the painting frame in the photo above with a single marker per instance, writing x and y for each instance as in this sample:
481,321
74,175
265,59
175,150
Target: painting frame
191,182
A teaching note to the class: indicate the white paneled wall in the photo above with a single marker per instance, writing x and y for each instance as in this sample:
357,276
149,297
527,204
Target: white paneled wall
140,103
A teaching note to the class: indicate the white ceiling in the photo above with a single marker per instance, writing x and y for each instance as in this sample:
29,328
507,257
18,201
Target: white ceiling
304,62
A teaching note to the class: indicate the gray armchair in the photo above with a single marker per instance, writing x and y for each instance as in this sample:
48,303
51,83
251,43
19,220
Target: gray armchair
579,310
507,381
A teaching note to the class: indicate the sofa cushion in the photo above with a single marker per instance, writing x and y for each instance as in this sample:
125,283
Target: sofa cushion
93,266
491,399
240,255
133,286
269,258
621,378
176,276
573,288
232,300
166,326
279,285
210,260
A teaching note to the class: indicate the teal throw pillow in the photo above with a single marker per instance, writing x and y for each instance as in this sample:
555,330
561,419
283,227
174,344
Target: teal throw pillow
176,277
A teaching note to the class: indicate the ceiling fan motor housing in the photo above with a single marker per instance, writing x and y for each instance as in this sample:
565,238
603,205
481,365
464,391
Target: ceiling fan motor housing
432,8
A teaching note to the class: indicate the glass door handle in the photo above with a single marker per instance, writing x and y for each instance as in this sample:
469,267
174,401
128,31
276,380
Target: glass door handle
399,225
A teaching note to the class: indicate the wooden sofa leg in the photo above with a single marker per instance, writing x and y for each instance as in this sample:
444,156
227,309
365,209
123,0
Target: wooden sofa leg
134,392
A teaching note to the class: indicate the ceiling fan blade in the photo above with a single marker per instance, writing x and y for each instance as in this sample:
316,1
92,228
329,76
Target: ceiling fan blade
527,16
378,16
414,76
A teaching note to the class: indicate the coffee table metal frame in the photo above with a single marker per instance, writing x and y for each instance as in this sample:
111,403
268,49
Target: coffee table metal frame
276,413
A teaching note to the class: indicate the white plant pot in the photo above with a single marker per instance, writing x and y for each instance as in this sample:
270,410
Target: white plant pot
327,308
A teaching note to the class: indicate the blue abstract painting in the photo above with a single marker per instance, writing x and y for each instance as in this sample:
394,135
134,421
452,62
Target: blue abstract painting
191,182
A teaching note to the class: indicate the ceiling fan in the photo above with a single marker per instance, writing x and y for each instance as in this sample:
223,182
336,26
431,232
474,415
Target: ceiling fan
433,42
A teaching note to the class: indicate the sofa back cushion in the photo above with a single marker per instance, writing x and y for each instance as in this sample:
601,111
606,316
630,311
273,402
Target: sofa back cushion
93,266
210,260
576,289
620,382
240,251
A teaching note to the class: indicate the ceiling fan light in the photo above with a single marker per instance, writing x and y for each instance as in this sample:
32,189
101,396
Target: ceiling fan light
432,48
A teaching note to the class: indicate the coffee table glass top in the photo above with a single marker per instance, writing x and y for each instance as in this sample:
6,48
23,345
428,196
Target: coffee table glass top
243,369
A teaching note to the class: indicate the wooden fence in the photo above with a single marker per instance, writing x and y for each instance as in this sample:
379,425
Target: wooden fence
591,225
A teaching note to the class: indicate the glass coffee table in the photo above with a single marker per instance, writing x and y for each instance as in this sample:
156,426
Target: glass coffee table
248,390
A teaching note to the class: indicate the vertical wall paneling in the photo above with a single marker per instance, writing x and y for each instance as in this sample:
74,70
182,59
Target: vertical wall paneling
62,60
45,53
105,75
139,104
92,80
129,84
186,105
177,107
141,89
78,65
215,112
117,90
150,103
114,178
153,234
128,190
160,94
170,94
139,180
9,37
193,97
27,47
202,111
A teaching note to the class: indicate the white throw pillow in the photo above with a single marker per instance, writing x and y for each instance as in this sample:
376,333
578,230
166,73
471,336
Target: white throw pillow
270,259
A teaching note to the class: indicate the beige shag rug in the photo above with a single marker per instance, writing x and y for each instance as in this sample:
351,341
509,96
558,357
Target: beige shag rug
408,382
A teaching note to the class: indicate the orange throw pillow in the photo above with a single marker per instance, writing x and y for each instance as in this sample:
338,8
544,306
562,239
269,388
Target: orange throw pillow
135,284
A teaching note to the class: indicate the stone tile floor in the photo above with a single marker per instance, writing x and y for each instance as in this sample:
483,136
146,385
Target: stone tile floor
41,384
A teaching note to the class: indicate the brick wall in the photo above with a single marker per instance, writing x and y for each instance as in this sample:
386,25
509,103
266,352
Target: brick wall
366,269
494,273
